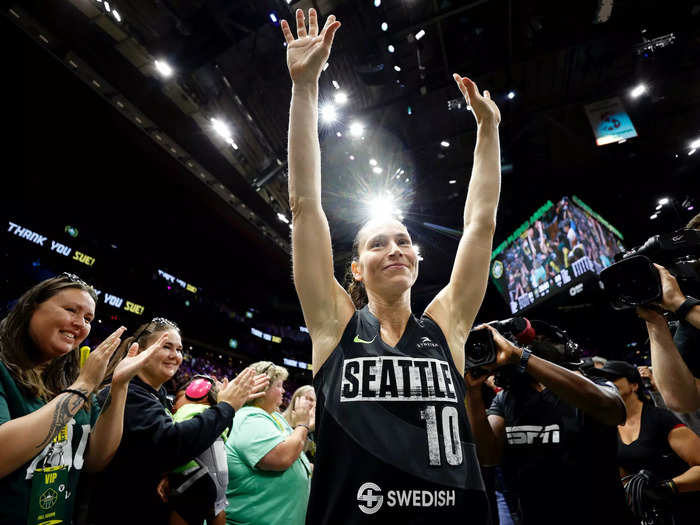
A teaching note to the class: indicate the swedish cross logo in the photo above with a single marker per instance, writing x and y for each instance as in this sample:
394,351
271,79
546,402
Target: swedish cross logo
369,498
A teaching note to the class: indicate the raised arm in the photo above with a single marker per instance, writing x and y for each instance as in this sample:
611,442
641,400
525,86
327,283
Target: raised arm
327,307
678,387
603,404
455,307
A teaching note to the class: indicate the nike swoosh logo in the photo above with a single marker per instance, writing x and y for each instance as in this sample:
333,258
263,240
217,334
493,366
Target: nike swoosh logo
358,340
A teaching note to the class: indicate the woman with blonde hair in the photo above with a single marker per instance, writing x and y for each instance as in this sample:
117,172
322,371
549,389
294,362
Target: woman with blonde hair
269,476
307,392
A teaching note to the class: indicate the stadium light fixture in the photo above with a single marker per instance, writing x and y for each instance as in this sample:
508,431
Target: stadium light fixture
163,68
638,91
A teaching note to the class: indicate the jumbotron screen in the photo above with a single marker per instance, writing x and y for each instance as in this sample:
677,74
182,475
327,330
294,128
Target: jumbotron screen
551,251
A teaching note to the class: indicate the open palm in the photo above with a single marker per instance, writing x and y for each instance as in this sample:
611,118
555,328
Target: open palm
307,53
134,362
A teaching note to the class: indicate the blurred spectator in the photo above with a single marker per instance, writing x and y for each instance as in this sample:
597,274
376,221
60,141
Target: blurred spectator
307,392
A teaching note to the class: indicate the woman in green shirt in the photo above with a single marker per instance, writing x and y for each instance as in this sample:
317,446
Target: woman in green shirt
49,427
269,476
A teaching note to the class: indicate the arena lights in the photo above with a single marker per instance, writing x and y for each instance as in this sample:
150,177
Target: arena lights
452,181
652,217
377,3
664,200
382,207
377,170
163,68
338,134
357,129
328,113
445,144
223,130
352,157
691,152
107,7
116,15
341,97
511,95
390,48
638,91
420,34
372,162
384,26
273,17
335,84
695,144
283,218
325,66
397,68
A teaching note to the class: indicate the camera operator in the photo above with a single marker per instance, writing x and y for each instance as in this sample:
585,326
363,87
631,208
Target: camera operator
554,432
676,360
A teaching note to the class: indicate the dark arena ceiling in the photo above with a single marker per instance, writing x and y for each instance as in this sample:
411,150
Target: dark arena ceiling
97,138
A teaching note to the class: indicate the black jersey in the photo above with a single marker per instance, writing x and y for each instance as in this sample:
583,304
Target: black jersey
394,443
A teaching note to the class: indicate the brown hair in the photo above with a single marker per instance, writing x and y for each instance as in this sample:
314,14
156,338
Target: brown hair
143,336
355,288
20,354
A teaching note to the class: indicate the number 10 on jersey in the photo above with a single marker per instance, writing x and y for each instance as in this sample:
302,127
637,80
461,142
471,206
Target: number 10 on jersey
451,443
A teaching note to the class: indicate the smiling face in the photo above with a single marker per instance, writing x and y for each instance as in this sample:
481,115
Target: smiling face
59,324
387,262
167,360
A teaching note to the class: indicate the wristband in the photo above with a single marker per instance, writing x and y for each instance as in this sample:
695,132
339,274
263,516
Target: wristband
76,392
524,357
684,308
303,425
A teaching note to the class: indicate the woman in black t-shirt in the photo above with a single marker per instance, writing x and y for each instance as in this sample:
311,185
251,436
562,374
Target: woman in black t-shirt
655,440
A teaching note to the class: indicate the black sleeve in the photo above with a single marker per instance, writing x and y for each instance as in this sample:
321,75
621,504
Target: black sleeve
687,339
662,420
151,430
497,407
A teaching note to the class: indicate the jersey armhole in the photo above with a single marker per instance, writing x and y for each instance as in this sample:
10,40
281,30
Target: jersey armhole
435,328
346,338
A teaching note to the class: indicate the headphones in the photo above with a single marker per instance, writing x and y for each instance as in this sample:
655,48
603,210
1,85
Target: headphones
199,387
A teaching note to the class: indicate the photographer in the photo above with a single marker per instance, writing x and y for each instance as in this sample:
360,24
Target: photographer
553,431
676,361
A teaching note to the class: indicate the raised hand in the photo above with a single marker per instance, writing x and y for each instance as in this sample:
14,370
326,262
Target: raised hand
302,413
485,110
245,387
93,372
307,54
134,362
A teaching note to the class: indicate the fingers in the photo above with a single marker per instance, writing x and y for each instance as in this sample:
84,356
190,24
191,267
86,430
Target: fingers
114,336
255,395
133,350
329,21
287,32
301,25
243,376
329,33
160,342
313,23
